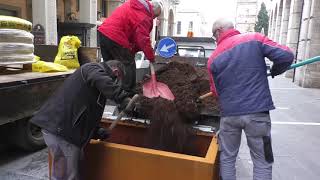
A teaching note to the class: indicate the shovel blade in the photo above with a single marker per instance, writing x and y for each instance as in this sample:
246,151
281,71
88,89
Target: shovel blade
164,91
156,89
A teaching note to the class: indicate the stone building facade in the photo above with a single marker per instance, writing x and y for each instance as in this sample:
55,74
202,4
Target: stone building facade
246,15
58,16
296,23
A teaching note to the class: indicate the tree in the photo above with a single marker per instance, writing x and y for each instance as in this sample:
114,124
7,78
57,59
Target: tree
263,20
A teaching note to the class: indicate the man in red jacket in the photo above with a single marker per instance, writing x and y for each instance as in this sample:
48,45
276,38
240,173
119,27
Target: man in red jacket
126,32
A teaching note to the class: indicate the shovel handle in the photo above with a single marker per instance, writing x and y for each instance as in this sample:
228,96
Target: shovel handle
123,112
152,68
302,63
308,61
205,95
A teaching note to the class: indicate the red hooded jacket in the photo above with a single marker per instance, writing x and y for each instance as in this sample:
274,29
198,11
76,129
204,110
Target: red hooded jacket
130,25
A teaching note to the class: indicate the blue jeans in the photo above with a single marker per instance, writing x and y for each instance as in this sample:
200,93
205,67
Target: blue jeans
257,129
66,157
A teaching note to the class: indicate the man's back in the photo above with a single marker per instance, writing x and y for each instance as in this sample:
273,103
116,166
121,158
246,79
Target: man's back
239,71
123,22
76,108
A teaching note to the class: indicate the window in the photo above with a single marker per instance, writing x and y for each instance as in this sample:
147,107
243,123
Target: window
191,25
179,27
8,12
78,5
104,8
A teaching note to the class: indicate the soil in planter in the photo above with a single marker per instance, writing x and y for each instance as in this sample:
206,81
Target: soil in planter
171,121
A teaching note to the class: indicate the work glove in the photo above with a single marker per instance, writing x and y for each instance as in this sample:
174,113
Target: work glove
122,106
101,133
273,73
120,94
278,69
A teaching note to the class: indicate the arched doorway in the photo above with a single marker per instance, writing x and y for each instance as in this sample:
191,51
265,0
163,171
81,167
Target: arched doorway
170,23
160,25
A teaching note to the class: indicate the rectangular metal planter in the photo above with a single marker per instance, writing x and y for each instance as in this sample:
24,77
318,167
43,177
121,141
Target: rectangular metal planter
122,159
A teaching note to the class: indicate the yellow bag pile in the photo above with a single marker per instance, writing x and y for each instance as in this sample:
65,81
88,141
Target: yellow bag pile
42,66
67,52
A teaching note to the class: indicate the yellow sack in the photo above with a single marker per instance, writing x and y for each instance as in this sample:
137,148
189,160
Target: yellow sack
42,66
67,52
9,22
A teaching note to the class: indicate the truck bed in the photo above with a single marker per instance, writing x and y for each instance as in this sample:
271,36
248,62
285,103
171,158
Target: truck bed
24,92
13,75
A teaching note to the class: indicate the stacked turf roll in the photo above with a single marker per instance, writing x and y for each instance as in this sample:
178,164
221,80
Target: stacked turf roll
16,41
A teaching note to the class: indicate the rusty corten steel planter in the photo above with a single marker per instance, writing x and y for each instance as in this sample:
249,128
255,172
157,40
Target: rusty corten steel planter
125,158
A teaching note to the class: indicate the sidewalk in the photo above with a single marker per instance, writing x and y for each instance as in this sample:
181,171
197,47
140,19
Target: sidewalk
295,134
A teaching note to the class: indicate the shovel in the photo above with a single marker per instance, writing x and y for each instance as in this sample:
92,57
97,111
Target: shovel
302,63
152,88
123,112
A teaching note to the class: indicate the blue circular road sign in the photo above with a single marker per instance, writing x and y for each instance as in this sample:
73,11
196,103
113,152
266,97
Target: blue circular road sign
167,47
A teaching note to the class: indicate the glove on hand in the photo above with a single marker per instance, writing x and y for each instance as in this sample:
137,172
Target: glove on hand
101,133
123,104
120,95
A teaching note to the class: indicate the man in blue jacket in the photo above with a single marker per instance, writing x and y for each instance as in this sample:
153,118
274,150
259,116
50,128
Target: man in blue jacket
239,80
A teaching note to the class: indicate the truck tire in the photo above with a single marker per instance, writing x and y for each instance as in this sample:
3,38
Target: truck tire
27,136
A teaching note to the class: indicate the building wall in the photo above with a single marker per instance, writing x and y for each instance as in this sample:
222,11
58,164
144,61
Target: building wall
19,5
65,7
185,17
246,15
60,10
302,36
164,21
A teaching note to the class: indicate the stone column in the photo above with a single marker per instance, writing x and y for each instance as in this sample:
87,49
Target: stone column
88,14
273,31
303,38
278,23
310,74
294,28
285,22
270,23
44,12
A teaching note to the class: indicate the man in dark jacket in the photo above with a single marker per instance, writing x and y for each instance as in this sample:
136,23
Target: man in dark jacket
70,117
239,81
126,32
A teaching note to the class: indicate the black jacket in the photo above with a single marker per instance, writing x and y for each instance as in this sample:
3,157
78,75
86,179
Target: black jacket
76,108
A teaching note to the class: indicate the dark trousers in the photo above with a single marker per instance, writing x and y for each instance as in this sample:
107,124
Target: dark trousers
110,50
66,158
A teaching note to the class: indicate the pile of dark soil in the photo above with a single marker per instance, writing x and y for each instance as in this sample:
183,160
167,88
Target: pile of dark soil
171,121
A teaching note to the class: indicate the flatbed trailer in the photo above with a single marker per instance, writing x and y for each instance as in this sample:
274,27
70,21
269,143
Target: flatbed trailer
22,93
